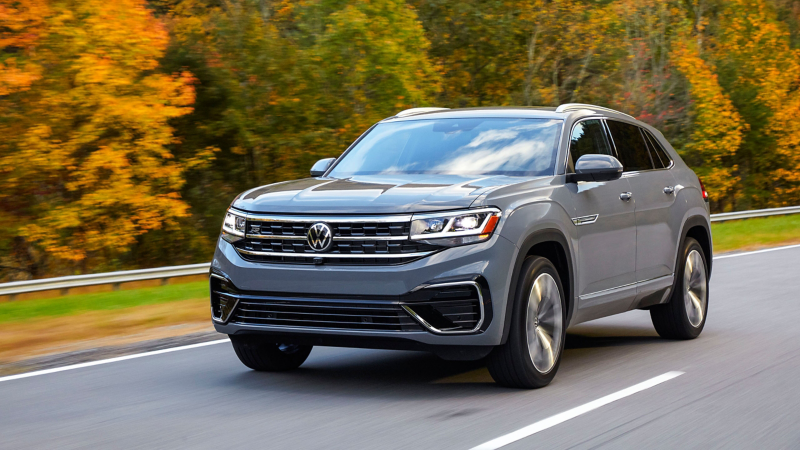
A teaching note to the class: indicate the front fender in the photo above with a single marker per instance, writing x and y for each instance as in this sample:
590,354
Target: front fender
527,226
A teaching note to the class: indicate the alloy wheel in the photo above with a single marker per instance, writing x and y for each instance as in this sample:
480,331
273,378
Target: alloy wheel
695,288
544,323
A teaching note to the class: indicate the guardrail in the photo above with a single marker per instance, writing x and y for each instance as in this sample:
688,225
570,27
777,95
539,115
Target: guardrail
64,284
112,278
722,217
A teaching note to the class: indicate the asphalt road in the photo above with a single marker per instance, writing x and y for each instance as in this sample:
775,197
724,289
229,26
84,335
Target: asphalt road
740,389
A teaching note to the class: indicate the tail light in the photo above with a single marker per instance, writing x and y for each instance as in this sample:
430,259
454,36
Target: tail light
703,189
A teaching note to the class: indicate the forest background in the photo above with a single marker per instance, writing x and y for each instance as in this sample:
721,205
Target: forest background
128,126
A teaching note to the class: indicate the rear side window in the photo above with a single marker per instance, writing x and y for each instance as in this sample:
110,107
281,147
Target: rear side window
630,145
588,138
660,156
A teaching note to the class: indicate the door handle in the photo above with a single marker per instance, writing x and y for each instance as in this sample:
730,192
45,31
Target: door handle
669,190
625,196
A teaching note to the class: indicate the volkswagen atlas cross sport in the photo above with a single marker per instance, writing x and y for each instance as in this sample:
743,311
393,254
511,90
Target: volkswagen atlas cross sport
470,233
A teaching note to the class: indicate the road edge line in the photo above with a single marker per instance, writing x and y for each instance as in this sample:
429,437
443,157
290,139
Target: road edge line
574,412
109,360
734,255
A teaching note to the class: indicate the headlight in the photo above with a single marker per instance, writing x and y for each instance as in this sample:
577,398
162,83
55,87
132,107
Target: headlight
455,228
233,226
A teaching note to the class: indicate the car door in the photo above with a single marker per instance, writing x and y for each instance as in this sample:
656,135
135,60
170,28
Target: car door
652,186
606,231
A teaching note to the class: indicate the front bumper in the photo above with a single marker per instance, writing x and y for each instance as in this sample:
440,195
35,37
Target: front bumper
487,262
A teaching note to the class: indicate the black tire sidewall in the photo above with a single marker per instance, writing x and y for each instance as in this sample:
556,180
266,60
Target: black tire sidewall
531,269
677,295
265,355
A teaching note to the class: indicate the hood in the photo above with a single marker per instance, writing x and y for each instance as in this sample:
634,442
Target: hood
374,194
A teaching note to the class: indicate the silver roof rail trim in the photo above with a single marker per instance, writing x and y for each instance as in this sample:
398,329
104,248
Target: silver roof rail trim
413,111
573,106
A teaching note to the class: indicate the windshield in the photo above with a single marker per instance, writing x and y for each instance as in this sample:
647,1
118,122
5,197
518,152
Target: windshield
516,147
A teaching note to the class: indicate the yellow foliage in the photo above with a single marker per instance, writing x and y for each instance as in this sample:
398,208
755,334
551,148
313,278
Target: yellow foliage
717,126
88,143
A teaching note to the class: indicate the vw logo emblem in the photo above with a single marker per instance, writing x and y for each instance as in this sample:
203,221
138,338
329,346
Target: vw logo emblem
319,237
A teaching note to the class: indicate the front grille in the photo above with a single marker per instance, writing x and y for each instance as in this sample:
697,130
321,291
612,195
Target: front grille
372,247
346,229
363,242
338,314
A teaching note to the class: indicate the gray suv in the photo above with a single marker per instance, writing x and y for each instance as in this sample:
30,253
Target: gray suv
470,233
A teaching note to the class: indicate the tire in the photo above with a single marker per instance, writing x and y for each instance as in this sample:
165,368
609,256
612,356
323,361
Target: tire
265,356
684,316
514,364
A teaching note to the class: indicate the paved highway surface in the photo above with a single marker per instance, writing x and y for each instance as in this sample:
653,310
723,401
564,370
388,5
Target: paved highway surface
740,389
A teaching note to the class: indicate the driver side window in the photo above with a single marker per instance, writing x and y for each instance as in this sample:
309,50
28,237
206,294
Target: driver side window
588,138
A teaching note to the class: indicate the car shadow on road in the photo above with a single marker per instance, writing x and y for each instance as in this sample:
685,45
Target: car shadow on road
402,375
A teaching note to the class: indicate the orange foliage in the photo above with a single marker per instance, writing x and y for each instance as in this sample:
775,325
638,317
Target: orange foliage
754,38
717,126
88,144
21,26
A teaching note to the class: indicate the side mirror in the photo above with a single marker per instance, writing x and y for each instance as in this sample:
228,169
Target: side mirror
596,168
321,166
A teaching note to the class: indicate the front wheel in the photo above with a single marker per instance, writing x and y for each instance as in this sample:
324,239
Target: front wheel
685,315
532,354
265,356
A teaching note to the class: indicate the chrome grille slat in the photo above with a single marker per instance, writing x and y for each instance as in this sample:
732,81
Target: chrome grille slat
350,315
355,240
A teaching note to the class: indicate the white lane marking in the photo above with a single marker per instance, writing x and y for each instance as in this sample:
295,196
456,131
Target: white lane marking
574,412
757,251
110,360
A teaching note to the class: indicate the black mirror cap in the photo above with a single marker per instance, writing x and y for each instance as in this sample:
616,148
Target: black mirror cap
596,168
320,167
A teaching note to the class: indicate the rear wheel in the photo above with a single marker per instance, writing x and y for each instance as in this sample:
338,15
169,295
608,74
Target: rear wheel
685,315
532,354
265,356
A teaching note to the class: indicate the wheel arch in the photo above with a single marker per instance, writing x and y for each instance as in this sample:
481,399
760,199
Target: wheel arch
699,229
553,245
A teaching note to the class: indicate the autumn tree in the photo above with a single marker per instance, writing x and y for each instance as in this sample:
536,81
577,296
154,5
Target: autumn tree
717,127
85,163
282,84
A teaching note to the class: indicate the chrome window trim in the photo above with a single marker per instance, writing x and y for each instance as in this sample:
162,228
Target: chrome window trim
609,141
641,130
336,255
647,132
431,328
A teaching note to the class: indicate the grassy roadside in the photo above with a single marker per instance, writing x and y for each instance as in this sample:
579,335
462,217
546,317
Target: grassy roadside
76,304
38,327
102,328
755,233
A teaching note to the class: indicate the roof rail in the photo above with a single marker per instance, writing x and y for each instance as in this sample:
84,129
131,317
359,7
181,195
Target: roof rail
413,111
573,106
